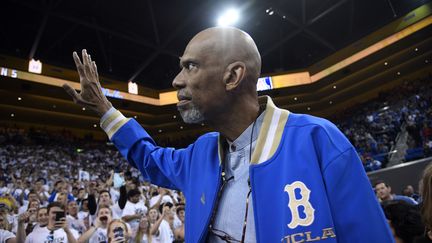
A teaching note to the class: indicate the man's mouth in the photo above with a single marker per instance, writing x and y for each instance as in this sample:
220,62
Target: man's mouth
183,100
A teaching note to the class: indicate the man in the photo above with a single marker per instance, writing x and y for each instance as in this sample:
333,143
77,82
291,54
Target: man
134,209
268,175
56,230
74,222
409,192
383,192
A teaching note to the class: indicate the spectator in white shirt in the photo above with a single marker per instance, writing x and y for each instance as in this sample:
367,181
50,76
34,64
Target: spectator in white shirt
72,218
98,232
57,229
118,231
5,234
134,209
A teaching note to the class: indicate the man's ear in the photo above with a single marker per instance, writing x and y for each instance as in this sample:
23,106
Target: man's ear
234,75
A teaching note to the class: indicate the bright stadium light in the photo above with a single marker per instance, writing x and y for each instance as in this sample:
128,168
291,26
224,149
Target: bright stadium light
230,17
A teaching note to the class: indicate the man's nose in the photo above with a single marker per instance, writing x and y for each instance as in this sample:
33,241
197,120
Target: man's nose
178,82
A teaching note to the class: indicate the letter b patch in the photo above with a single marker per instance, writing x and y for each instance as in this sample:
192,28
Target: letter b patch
295,204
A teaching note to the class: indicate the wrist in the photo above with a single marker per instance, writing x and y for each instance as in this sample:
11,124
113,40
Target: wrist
103,108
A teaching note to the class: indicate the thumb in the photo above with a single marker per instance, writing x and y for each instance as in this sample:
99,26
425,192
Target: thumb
71,91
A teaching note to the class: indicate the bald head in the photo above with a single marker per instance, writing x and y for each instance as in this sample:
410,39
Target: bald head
219,71
229,45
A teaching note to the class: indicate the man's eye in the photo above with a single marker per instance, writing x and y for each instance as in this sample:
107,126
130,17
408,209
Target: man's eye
190,66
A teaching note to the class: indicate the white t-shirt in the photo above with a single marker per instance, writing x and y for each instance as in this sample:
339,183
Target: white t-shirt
115,195
134,208
5,235
76,224
165,199
99,236
43,235
82,215
3,191
166,235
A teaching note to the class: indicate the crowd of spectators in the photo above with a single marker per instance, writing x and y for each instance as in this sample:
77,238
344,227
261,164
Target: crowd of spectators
56,188
372,127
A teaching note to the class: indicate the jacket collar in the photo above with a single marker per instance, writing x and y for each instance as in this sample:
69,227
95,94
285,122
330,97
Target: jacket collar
270,133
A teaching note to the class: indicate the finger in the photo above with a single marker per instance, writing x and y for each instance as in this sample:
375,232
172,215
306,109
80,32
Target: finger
95,70
78,64
84,57
71,91
76,59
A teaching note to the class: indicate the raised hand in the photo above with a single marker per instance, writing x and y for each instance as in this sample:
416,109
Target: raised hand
91,95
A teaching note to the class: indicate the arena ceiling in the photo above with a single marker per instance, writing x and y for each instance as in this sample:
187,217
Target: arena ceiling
142,40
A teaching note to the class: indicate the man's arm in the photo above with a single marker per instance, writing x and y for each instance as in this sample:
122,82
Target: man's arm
355,209
161,166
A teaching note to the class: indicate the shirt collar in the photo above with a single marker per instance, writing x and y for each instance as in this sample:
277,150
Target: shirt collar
245,138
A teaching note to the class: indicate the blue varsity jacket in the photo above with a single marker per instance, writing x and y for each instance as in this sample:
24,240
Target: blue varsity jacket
307,181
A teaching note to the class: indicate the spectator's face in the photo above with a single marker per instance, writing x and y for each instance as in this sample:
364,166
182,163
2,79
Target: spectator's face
75,192
382,191
104,198
38,185
62,198
32,197
410,190
104,212
34,204
42,217
73,208
153,214
85,205
59,186
81,194
181,215
144,223
135,198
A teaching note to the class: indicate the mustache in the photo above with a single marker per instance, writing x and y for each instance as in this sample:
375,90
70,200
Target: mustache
183,93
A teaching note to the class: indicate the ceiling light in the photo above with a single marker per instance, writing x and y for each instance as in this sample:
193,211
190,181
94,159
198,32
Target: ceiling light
135,117
202,124
308,108
181,127
83,108
386,63
12,115
295,98
230,17
284,17
330,102
160,130
334,86
54,106
19,98
426,61
174,116
94,125
398,73
271,12
416,49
